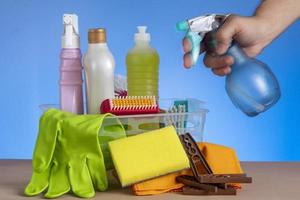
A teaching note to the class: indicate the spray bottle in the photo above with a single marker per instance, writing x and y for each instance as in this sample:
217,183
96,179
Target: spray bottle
71,67
251,85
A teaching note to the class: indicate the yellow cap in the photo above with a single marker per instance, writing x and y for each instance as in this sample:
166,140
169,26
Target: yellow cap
97,35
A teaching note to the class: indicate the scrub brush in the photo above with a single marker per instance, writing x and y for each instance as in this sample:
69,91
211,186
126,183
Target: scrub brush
130,105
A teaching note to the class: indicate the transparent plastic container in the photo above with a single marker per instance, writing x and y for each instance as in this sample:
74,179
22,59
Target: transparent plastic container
192,121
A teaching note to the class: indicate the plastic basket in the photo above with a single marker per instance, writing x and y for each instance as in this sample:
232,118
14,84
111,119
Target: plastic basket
192,121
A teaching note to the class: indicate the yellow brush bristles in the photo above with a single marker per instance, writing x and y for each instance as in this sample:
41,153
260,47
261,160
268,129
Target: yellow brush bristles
133,101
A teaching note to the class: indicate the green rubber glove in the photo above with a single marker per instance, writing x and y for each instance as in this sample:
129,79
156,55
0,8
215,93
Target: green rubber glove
77,163
43,151
111,129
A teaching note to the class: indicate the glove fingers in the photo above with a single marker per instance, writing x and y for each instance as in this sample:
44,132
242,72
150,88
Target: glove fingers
38,183
59,183
46,139
98,173
80,179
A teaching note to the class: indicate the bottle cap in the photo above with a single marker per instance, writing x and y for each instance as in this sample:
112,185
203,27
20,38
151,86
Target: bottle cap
142,35
70,38
97,35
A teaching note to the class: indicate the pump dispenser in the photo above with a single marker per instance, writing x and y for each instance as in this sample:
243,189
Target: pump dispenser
71,67
142,63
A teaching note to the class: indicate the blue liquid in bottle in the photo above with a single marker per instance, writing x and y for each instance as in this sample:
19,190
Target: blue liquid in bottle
251,85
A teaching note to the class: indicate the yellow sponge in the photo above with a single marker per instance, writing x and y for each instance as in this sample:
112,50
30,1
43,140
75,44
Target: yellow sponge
148,155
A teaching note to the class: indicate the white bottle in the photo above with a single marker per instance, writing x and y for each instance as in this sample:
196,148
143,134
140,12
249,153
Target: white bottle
99,67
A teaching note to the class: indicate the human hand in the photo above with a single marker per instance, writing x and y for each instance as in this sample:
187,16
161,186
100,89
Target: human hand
252,34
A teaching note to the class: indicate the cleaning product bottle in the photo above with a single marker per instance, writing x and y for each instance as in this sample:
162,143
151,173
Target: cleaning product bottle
71,67
142,66
99,68
251,85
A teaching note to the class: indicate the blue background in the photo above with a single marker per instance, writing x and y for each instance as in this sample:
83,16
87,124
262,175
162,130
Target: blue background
29,59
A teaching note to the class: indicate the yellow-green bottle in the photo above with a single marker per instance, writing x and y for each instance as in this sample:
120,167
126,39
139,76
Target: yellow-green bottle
142,63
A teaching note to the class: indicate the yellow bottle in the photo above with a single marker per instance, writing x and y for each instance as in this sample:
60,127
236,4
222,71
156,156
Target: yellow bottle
142,63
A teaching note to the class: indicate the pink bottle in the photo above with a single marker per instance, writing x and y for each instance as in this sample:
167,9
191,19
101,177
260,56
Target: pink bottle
71,98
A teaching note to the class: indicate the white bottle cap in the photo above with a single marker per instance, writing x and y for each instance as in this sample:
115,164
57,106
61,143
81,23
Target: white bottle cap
70,38
142,35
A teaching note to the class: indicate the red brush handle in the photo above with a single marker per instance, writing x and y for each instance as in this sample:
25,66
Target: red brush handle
106,108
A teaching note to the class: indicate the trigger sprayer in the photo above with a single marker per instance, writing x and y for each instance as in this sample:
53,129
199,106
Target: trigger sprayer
70,37
251,85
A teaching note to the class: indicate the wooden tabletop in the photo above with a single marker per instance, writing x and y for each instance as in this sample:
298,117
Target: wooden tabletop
271,181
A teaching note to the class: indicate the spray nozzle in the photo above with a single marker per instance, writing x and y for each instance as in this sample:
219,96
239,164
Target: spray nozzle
71,32
197,28
202,24
71,20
